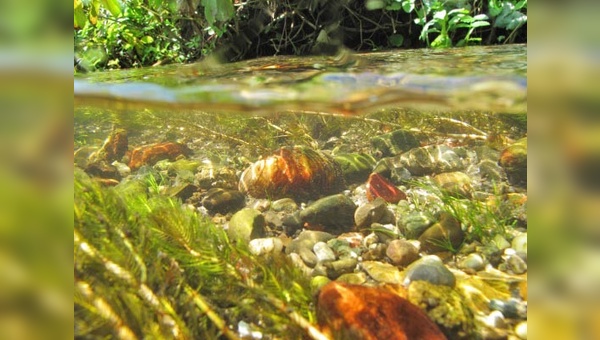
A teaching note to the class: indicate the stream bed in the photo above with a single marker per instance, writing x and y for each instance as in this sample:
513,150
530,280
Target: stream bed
362,196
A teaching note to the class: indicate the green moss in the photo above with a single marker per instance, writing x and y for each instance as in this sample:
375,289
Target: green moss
148,267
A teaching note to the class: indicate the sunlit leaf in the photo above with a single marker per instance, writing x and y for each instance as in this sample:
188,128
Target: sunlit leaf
79,18
408,5
480,24
147,40
217,10
112,6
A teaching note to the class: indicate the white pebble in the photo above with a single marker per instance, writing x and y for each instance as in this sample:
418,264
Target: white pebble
323,252
521,330
262,246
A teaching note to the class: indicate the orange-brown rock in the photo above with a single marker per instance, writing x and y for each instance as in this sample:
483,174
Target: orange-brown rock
346,311
151,154
379,186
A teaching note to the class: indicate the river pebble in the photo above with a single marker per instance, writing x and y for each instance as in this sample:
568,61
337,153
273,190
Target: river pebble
431,269
402,253
323,252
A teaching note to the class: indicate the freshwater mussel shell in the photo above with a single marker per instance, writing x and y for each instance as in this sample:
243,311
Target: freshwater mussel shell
297,172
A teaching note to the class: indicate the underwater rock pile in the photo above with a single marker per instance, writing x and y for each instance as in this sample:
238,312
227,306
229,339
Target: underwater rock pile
409,242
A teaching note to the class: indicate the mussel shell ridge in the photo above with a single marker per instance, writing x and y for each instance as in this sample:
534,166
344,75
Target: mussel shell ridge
297,172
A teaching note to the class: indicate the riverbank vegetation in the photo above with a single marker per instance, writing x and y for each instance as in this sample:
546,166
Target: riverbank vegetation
133,33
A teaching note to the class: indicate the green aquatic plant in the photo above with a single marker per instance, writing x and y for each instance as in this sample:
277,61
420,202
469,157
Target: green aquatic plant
146,267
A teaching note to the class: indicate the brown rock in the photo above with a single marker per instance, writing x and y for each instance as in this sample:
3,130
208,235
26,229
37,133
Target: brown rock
379,186
402,253
151,154
346,311
445,235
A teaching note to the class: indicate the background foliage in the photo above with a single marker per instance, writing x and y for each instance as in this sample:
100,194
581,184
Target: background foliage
131,33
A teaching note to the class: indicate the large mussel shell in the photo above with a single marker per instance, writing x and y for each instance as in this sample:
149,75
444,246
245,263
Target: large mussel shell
297,172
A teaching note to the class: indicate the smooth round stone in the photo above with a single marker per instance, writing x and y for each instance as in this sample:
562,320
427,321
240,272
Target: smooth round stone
223,200
264,246
370,239
514,161
511,308
335,213
402,253
318,281
519,243
472,261
431,269
495,319
307,239
431,159
521,330
516,264
353,278
457,184
341,266
246,224
382,272
445,235
284,204
414,223
298,263
323,252
500,242
375,211
308,257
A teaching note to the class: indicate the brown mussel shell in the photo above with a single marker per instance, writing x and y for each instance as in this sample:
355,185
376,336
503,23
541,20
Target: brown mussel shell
297,172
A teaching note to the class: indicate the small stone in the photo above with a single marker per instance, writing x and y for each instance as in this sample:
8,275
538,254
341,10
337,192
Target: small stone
431,159
375,252
510,308
500,242
222,201
431,269
182,165
414,223
457,184
323,252
370,239
341,266
183,191
246,224
215,176
379,186
291,223
298,263
521,330
514,161
394,143
264,246
516,265
495,320
373,212
382,272
317,282
519,243
122,168
402,253
308,256
346,311
445,235
284,204
353,278
332,213
473,262
307,239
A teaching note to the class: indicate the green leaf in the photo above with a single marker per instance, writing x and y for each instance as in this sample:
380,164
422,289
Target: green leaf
441,15
394,7
79,19
217,10
442,40
408,5
479,24
480,17
374,4
112,6
147,40
396,40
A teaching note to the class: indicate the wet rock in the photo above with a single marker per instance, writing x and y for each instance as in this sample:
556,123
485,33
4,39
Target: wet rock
222,201
373,212
339,267
150,154
414,223
308,256
184,165
353,239
309,237
103,170
370,240
519,243
432,159
386,232
323,252
379,186
342,248
510,308
355,167
347,311
473,262
297,172
113,148
183,191
402,253
490,171
382,272
246,224
445,306
495,320
394,143
332,213
298,263
291,223
431,269
516,265
122,168
513,160
521,330
214,176
392,168
317,282
500,242
265,246
353,278
457,184
284,204
445,235
375,252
